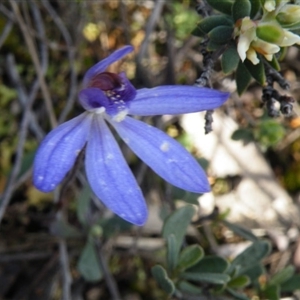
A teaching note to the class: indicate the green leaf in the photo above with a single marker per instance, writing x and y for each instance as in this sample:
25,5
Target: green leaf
177,224
189,288
254,272
257,71
239,282
230,60
63,229
250,257
172,253
255,7
209,23
188,197
282,276
291,284
272,292
27,162
241,9
213,46
236,295
224,6
214,278
161,277
210,264
243,232
221,34
293,27
83,205
242,77
190,256
243,134
88,263
274,63
269,132
113,225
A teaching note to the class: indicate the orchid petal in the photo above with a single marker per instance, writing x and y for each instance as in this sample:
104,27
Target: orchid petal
163,154
175,99
58,152
92,98
110,177
102,65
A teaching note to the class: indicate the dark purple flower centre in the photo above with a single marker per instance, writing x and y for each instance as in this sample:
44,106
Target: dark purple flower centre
109,90
106,81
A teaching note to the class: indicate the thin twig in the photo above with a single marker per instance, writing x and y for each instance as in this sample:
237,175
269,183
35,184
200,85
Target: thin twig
141,74
71,56
36,62
18,160
5,32
110,281
23,97
24,256
9,15
66,276
149,28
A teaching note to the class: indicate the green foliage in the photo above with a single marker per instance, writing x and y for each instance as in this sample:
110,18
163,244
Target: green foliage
243,232
236,295
255,8
282,276
292,284
224,6
213,278
210,264
182,19
191,272
187,287
189,256
88,264
242,77
269,132
172,253
230,59
250,257
256,71
188,197
161,276
239,282
83,205
63,229
243,134
241,9
271,292
221,34
177,224
209,23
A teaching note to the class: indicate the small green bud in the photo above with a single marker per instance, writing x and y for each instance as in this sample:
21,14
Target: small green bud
289,14
270,32
96,231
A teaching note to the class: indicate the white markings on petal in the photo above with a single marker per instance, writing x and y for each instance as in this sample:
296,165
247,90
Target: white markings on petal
121,115
99,110
165,146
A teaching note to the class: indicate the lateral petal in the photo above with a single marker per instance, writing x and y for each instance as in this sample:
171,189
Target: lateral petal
102,65
163,154
110,177
175,99
58,152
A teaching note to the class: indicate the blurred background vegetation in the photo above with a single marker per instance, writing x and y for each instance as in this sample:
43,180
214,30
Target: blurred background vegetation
65,245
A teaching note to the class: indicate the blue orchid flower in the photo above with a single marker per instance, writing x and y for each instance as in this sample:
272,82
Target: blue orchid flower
110,98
